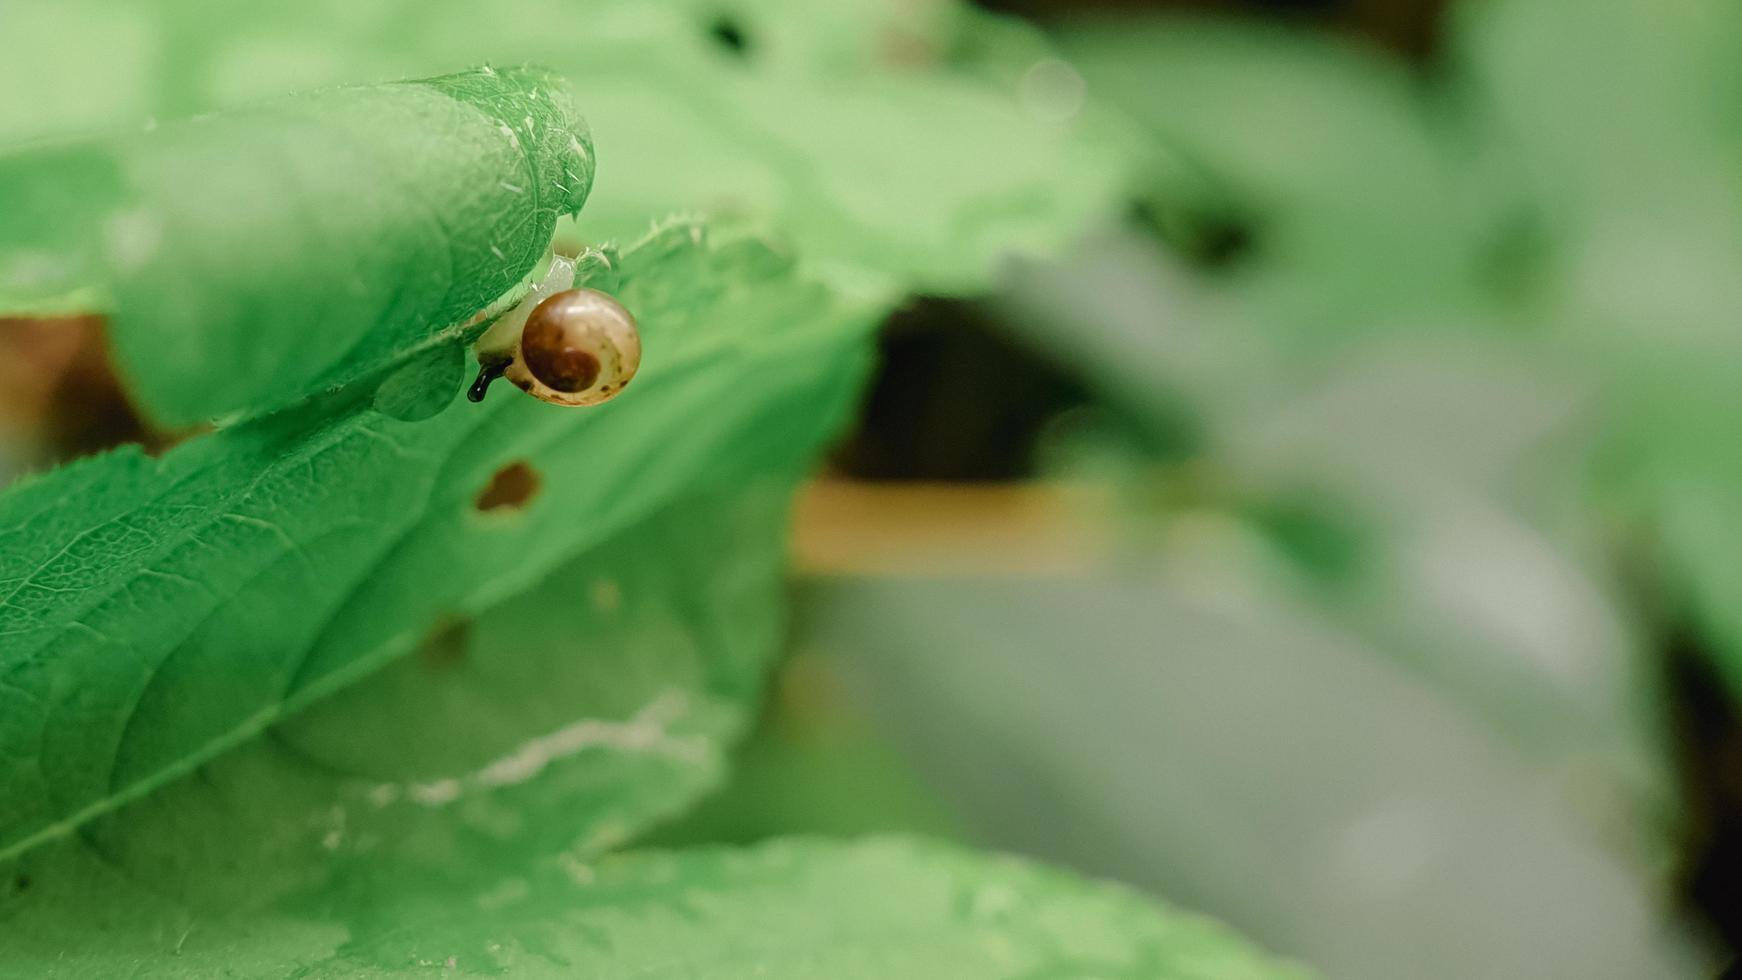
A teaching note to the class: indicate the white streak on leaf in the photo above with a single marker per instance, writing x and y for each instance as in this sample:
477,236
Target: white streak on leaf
646,733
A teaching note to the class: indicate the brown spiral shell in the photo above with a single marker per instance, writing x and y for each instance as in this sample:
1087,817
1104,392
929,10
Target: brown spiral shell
561,344
578,347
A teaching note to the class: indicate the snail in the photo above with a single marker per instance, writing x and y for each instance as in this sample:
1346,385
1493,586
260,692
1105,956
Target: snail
563,345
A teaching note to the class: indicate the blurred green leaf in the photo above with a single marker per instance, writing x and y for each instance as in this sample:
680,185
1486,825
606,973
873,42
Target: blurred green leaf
1315,162
814,765
1625,144
799,908
1485,314
885,166
1208,736
159,611
1445,467
1412,340
252,257
1615,107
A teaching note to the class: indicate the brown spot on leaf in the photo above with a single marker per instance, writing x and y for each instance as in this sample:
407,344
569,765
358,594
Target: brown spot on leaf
446,644
511,487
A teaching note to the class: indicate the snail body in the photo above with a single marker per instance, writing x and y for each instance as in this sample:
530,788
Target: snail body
562,345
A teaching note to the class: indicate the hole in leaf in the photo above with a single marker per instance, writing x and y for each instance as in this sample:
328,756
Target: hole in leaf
446,644
729,35
510,488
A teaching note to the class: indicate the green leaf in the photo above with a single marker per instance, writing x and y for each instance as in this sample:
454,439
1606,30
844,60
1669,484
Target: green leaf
154,612
1400,454
1634,113
562,719
917,181
885,166
424,386
1191,729
811,766
885,908
252,257
1626,141
1320,158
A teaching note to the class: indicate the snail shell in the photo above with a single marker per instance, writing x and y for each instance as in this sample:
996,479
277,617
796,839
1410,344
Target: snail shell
579,347
561,345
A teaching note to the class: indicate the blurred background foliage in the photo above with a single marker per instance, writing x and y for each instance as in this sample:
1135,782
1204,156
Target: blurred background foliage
1341,540
1361,564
